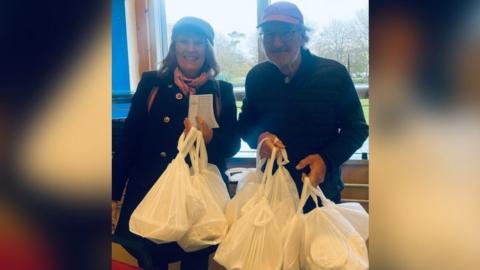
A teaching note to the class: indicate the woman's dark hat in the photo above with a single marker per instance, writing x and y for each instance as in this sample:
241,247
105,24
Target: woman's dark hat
194,24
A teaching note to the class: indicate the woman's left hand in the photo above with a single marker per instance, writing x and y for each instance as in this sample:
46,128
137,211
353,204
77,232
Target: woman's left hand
203,127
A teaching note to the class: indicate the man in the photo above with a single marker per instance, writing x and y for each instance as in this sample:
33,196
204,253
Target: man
302,102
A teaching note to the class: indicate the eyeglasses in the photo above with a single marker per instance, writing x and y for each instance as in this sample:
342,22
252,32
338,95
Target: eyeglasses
196,43
285,36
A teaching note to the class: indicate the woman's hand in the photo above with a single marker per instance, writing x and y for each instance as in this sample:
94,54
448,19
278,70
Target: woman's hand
203,127
271,141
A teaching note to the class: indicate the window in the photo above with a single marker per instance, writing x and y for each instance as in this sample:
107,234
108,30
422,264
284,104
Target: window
235,38
235,41
120,78
339,31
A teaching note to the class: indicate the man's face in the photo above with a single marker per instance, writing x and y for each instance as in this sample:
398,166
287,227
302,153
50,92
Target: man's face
282,42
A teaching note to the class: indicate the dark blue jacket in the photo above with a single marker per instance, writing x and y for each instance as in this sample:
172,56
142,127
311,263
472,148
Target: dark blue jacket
149,142
317,112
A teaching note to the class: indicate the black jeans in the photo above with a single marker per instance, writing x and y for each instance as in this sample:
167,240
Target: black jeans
152,256
171,252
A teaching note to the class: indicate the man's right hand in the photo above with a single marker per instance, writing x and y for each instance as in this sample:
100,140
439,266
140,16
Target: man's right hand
115,214
271,141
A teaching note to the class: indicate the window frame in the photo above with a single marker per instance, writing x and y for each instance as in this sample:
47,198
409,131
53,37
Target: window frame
147,45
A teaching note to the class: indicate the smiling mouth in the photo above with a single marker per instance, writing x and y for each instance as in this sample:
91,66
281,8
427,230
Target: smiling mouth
190,58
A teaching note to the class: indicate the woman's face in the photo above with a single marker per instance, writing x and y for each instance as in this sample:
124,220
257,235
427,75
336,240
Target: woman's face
190,51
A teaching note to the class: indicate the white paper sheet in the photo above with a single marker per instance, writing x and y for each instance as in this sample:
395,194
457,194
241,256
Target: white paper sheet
202,105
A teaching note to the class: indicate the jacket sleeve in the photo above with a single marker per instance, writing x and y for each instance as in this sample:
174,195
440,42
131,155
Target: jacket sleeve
130,139
226,141
353,128
249,122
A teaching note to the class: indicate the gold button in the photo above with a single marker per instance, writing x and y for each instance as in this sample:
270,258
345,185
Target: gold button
163,154
166,119
179,96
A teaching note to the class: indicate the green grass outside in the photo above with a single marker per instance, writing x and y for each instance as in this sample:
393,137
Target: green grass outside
366,108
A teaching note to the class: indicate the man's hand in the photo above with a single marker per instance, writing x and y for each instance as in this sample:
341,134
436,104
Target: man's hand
115,214
203,127
270,142
317,166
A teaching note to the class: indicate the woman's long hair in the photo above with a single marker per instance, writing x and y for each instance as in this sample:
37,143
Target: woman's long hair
169,63
210,66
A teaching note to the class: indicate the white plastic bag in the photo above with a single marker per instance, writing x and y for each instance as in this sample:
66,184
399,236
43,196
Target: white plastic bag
253,241
172,205
281,192
356,215
330,241
242,176
252,180
293,234
211,227
248,183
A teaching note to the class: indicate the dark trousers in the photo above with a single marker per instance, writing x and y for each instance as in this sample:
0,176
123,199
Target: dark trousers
152,256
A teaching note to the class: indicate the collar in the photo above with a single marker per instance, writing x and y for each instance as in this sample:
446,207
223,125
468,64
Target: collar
305,67
207,88
304,70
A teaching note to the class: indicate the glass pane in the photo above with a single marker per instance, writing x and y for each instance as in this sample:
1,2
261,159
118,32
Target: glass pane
339,31
234,23
120,76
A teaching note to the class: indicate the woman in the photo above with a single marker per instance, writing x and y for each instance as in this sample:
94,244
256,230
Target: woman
156,119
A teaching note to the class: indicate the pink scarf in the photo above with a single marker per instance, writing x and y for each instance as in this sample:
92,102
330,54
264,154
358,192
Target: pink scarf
189,86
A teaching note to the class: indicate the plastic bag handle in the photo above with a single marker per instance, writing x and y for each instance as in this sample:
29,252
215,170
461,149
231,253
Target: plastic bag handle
260,161
267,174
203,155
314,192
309,190
282,158
317,192
304,196
186,142
194,159
198,154
194,154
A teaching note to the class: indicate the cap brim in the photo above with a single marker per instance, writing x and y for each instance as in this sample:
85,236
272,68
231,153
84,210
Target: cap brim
279,18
